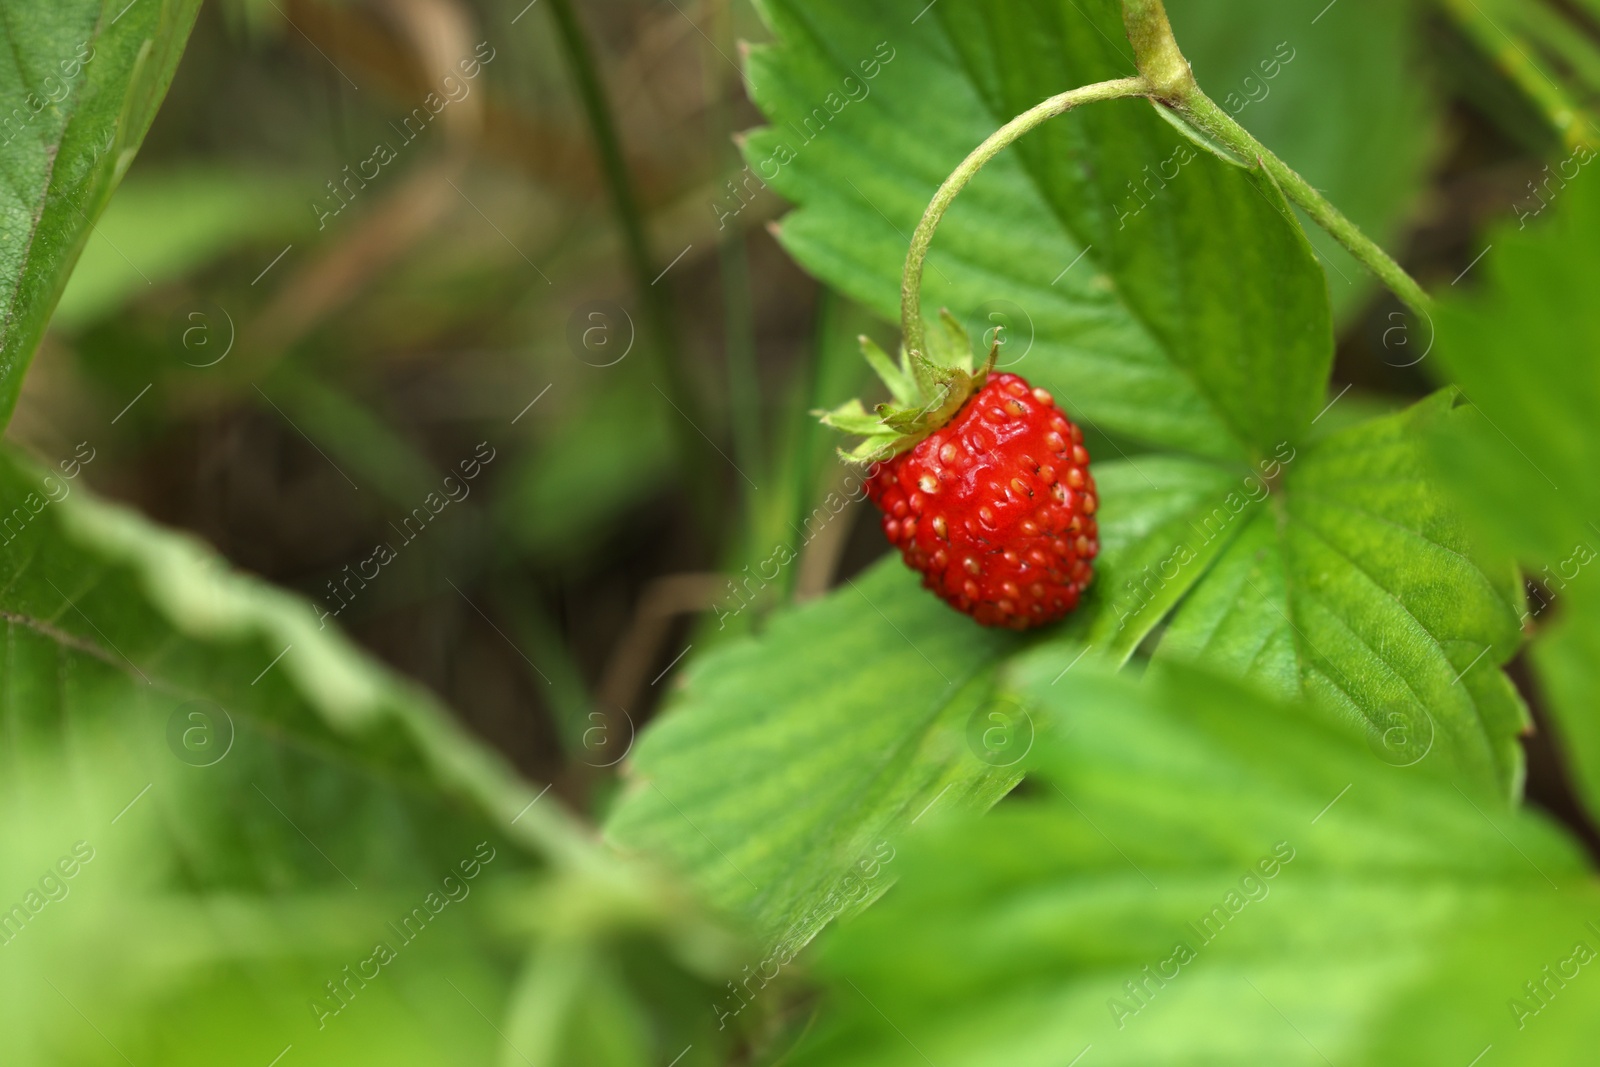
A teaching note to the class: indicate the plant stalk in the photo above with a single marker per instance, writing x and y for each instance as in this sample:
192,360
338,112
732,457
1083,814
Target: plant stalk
608,145
744,381
692,446
1173,85
911,279
1569,118
1203,113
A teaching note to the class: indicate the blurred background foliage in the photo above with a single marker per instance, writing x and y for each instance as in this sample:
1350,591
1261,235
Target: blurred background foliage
375,353
290,372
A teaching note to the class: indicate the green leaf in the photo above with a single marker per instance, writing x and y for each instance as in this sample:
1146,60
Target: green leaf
163,607
1197,318
263,802
1523,459
788,760
84,78
1338,99
851,417
214,903
1148,564
1356,584
1521,352
1325,903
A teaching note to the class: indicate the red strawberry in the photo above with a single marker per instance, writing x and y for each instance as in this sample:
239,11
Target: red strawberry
995,509
984,484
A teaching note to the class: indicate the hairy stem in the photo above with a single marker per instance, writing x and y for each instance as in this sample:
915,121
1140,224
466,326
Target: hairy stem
911,280
1155,50
1203,113
1173,85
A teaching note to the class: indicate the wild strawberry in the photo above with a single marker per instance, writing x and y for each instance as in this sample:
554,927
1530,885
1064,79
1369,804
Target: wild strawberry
985,489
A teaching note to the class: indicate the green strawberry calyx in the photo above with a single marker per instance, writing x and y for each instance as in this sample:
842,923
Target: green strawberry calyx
927,391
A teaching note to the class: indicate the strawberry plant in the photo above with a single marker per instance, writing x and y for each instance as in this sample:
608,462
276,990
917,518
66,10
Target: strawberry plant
1264,728
1181,313
1207,340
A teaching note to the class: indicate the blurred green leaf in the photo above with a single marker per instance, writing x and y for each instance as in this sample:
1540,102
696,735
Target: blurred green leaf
1565,659
1192,854
1198,318
268,806
164,607
1523,459
212,907
377,453
1522,350
174,222
85,78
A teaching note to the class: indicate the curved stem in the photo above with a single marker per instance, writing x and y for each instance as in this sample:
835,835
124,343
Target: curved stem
1164,77
911,280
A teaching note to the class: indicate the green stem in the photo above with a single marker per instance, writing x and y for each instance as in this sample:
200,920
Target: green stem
657,304
1205,115
744,381
1173,85
1164,77
911,280
607,144
1565,42
1569,119
1155,50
